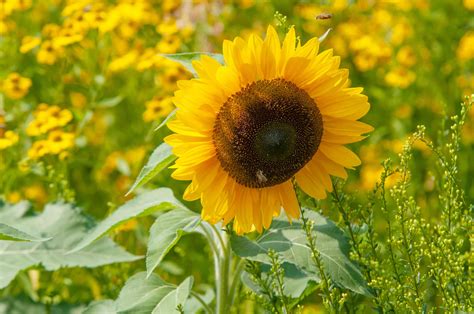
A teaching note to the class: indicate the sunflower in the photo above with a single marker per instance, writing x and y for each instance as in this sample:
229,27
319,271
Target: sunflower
272,114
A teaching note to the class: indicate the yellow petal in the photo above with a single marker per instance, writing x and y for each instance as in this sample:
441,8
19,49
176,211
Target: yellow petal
340,155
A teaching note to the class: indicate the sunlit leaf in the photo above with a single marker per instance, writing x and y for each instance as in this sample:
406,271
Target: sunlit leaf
141,294
166,232
100,307
170,302
142,205
10,233
146,295
159,160
290,242
22,305
65,226
110,102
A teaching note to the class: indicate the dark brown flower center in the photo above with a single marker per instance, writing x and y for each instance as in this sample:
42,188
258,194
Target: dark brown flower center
265,133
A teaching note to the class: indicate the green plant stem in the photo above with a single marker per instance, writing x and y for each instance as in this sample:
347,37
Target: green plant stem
203,303
222,281
236,280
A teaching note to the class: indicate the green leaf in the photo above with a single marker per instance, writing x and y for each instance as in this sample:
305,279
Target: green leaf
9,233
23,305
289,241
10,213
101,307
65,227
186,58
170,302
168,118
141,295
159,160
193,306
110,102
325,35
142,205
166,232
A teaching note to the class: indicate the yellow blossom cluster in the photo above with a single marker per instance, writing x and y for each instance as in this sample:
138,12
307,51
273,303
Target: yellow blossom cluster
157,108
49,120
7,138
15,86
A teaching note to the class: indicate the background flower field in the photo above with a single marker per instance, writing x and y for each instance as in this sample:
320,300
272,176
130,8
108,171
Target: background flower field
84,87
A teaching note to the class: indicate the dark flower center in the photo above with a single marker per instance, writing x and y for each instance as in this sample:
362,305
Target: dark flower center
265,133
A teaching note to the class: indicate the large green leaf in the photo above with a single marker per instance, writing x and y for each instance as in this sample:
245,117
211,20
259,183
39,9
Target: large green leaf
186,58
101,307
159,160
65,227
170,302
23,305
10,213
145,295
290,242
10,233
166,232
142,205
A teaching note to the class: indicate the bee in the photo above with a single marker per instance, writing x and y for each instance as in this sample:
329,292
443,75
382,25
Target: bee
261,177
324,16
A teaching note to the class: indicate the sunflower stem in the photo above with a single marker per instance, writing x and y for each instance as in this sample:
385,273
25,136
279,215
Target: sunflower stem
222,275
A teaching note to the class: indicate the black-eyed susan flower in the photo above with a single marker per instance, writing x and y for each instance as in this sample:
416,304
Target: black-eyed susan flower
38,149
273,113
28,43
169,44
16,86
7,138
48,118
400,77
465,51
59,141
157,108
48,53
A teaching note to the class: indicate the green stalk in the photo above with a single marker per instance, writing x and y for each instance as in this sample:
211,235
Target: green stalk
222,281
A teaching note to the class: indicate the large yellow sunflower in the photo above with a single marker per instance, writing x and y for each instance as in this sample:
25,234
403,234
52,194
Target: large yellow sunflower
272,113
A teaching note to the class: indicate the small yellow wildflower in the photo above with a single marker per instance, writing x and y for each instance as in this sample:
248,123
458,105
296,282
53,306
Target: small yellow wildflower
38,149
173,72
123,62
465,51
15,86
157,108
401,31
148,59
59,141
168,27
51,30
48,53
36,193
48,118
406,56
28,43
67,38
13,197
400,77
469,4
78,100
169,44
7,139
